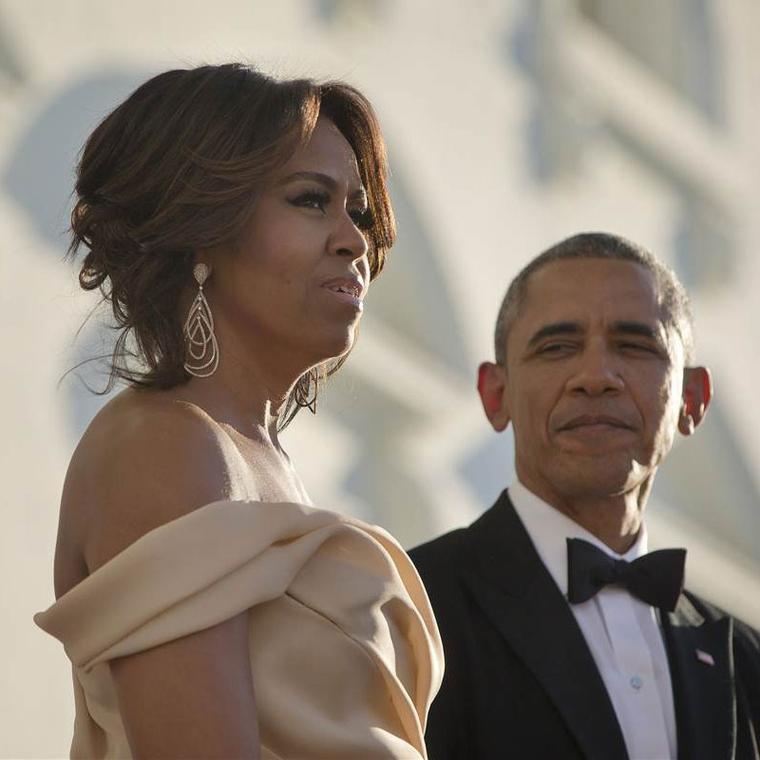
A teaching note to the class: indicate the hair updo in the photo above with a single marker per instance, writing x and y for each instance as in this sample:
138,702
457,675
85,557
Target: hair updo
174,169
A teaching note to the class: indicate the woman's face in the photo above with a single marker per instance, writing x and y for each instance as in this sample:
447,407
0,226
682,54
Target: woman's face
293,289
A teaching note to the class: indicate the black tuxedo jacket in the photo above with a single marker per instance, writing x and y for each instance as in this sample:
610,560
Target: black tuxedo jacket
520,680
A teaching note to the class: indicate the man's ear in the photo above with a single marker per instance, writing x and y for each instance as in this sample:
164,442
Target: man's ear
697,393
492,387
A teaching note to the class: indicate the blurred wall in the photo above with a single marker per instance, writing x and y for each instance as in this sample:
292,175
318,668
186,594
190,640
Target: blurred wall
510,124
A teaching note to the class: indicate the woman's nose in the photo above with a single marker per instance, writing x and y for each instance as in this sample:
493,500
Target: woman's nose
348,239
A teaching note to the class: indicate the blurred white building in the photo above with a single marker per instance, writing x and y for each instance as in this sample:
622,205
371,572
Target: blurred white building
511,124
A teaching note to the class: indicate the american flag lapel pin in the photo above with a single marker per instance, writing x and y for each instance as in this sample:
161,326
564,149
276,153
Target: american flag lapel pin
705,657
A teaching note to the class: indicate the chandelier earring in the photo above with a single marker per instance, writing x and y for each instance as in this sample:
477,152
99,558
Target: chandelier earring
305,392
201,349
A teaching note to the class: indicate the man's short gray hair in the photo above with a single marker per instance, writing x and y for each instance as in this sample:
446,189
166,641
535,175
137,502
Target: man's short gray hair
599,245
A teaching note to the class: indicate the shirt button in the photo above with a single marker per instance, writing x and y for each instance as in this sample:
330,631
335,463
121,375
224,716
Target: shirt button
636,682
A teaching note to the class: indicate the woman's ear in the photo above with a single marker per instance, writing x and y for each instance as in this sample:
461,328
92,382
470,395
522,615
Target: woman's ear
697,393
492,388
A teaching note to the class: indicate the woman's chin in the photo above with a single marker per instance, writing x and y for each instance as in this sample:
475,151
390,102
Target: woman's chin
336,345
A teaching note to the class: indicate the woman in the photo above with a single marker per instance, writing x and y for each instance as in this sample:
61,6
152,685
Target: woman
234,222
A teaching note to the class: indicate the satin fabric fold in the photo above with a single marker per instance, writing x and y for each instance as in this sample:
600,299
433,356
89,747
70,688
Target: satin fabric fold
345,652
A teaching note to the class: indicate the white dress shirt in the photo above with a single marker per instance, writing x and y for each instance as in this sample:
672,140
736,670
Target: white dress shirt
622,632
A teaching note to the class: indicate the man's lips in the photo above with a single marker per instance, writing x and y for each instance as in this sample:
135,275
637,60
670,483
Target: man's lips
594,420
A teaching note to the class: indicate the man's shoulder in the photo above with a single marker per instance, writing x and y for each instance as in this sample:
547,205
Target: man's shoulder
453,554
446,565
440,553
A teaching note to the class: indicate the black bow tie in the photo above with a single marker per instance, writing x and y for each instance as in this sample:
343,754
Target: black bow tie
655,578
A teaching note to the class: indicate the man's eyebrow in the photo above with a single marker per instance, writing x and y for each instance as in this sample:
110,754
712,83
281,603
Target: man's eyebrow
637,328
323,179
556,328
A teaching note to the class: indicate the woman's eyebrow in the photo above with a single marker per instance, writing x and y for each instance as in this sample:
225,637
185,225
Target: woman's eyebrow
323,179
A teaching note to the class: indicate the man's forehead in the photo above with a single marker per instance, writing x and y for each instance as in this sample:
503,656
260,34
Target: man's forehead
589,292
589,284
580,268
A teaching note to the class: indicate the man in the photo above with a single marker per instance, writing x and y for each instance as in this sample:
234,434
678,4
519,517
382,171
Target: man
560,641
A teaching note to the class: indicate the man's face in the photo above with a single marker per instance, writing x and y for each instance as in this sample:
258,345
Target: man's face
593,381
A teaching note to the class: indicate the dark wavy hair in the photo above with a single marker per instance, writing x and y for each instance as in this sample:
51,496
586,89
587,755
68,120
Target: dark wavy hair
176,168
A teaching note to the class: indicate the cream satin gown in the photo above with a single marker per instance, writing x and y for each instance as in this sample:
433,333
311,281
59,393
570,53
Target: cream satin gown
345,652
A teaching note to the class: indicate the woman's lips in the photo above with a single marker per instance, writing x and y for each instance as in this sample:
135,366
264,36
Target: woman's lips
347,297
350,290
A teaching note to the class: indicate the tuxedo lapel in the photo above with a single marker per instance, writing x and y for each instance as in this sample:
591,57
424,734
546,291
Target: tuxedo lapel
519,596
701,667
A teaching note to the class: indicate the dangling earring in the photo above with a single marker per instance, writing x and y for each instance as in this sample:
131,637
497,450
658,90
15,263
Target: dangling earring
200,341
305,392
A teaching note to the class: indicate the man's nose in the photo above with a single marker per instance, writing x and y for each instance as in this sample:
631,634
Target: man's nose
598,373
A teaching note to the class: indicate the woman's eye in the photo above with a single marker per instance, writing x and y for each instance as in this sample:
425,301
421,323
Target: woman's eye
311,199
319,200
361,218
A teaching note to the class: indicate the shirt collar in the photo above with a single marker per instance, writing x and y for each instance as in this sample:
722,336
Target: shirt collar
548,528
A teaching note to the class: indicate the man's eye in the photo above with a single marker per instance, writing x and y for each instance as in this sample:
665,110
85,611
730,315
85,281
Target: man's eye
639,348
311,199
555,348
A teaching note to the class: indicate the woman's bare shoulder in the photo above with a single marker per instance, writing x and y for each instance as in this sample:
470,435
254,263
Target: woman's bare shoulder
146,459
